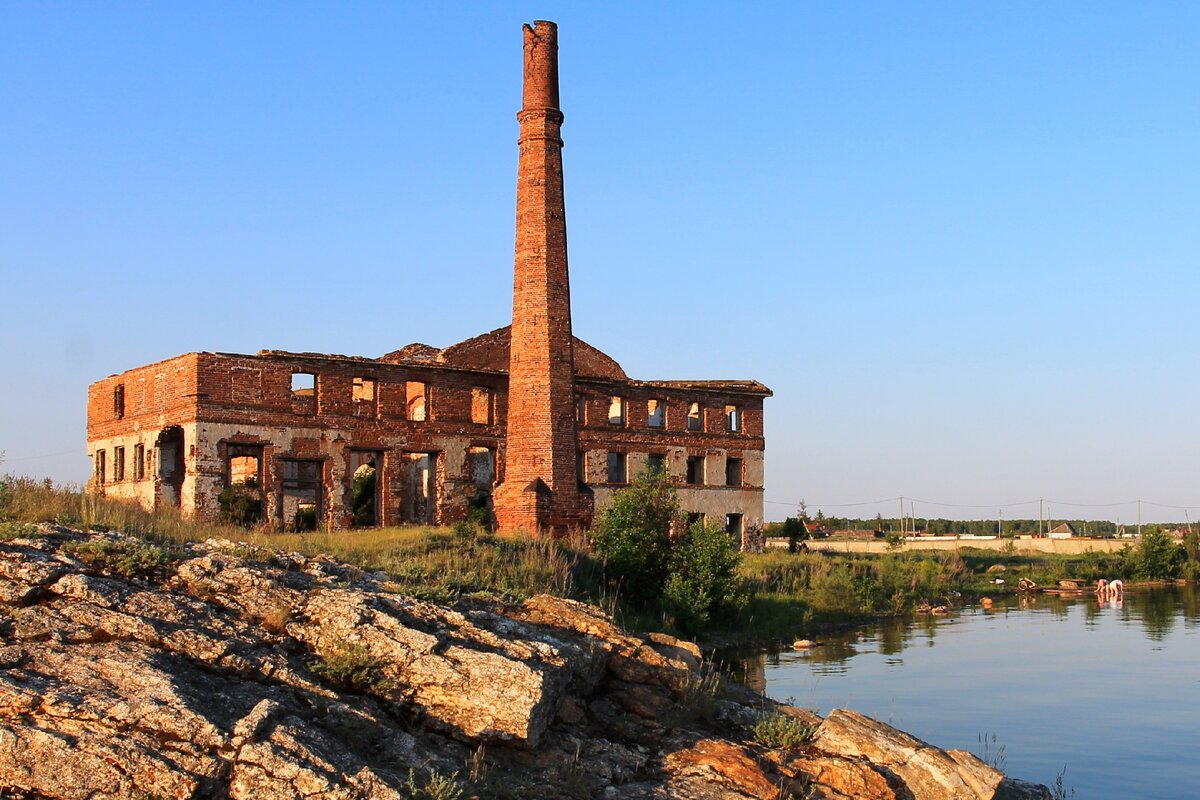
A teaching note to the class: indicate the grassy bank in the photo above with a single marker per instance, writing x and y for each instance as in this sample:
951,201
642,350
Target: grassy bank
791,594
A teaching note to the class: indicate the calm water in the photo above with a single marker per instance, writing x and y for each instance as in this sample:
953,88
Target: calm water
1110,693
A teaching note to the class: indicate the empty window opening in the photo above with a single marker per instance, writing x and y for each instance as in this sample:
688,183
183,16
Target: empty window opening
301,494
580,410
364,489
119,401
118,463
242,500
416,400
245,463
305,518
363,394
656,464
99,465
733,472
483,468
169,457
418,500
481,405
656,413
695,518
695,470
617,468
304,393
733,419
139,462
616,410
695,420
733,526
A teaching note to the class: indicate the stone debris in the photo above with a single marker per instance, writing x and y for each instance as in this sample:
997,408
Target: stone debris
236,672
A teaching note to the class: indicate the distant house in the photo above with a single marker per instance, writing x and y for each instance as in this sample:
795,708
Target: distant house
815,530
858,533
1062,531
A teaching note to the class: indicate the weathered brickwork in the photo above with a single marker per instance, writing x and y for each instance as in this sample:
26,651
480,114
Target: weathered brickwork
539,435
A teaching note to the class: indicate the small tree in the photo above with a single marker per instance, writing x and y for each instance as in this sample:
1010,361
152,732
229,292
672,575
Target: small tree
703,578
633,535
793,528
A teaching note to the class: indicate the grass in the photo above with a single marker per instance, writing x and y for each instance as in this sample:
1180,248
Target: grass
792,594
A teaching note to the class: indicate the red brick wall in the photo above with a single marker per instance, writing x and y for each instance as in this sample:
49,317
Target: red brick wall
541,444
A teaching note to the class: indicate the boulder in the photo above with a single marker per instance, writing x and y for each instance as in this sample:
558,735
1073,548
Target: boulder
926,771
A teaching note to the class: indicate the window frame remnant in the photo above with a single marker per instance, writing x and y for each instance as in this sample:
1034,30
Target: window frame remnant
139,462
119,401
99,466
695,416
656,464
416,401
735,525
364,394
618,468
580,409
735,471
616,403
303,396
482,405
695,470
656,414
118,464
733,418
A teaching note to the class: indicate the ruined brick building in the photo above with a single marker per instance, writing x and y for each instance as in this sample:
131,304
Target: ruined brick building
539,433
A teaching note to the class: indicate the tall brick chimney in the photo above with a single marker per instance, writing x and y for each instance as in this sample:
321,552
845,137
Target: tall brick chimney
541,492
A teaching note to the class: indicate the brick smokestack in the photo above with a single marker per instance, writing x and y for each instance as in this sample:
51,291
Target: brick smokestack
541,491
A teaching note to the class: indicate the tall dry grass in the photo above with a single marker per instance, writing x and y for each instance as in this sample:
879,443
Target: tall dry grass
433,563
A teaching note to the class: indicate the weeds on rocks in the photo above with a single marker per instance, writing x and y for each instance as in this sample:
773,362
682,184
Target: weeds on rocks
779,731
349,665
129,558
435,786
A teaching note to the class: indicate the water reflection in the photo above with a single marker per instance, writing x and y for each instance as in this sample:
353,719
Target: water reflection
1023,668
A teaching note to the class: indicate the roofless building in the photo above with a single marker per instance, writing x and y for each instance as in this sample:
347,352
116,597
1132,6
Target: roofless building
527,423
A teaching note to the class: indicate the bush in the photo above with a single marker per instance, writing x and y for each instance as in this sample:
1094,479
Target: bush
349,665
703,579
781,731
130,558
1155,557
633,535
241,504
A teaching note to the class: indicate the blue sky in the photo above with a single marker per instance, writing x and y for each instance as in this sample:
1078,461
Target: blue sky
958,241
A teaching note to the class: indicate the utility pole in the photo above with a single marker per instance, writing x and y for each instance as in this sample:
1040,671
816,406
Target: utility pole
1139,519
902,515
999,523
1039,517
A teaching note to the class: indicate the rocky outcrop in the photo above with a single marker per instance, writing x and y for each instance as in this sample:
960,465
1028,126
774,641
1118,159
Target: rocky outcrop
218,670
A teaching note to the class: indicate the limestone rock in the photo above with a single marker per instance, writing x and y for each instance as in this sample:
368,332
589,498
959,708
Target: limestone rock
216,675
927,772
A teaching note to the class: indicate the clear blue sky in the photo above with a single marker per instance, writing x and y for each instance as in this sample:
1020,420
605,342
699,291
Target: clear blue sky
959,241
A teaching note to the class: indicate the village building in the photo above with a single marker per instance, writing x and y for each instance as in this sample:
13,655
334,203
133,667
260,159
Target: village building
531,426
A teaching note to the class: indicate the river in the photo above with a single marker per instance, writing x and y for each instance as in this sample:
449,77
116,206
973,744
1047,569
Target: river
1110,694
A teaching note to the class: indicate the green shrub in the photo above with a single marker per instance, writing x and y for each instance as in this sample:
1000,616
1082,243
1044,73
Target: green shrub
241,504
633,535
780,731
1155,557
131,558
703,579
349,665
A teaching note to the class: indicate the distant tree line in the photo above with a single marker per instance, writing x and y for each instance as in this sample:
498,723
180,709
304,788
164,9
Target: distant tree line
963,527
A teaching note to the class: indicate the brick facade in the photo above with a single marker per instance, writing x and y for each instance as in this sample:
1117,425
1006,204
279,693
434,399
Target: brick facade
539,434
